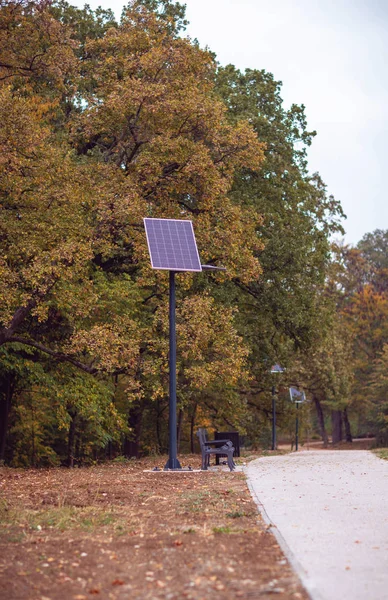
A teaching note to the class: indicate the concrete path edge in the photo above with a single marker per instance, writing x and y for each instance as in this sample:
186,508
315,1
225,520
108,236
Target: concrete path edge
295,564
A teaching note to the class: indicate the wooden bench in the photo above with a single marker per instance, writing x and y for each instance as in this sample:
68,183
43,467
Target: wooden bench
224,447
233,436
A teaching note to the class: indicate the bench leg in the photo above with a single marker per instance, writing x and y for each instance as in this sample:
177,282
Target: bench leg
231,464
205,459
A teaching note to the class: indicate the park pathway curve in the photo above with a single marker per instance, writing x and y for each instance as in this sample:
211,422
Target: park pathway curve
329,511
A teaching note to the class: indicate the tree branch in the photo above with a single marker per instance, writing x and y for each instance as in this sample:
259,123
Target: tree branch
60,356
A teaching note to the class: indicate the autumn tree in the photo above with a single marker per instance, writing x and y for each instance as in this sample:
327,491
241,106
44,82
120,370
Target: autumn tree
281,313
211,366
326,374
373,248
378,397
103,124
97,133
356,283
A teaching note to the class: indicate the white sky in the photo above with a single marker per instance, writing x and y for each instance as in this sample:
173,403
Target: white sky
332,56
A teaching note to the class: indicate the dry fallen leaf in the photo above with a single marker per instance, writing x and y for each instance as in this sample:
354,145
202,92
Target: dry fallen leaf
219,586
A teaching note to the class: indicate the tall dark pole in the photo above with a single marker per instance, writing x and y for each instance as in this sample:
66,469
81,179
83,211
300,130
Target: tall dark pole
173,462
297,427
273,418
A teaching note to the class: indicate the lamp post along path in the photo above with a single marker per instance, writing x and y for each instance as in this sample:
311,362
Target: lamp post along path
298,397
274,369
273,418
173,462
172,247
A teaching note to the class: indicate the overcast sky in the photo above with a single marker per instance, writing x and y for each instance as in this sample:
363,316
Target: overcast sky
331,56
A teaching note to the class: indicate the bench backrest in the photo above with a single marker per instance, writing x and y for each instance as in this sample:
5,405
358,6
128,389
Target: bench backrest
202,436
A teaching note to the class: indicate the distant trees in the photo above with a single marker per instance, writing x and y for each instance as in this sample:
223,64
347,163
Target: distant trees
369,315
378,415
362,301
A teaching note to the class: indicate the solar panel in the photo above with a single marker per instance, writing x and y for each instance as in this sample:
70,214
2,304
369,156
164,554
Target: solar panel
296,395
172,245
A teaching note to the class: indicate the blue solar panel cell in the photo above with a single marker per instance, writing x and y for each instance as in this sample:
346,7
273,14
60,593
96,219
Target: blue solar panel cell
172,245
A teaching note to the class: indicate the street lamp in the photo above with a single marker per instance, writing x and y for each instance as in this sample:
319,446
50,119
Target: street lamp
298,397
274,369
172,247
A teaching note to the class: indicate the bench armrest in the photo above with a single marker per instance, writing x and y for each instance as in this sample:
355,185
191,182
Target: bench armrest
219,442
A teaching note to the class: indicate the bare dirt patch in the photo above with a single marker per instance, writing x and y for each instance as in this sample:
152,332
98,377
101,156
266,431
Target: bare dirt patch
116,532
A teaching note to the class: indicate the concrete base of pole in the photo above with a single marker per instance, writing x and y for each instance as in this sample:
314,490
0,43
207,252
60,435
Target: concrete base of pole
172,464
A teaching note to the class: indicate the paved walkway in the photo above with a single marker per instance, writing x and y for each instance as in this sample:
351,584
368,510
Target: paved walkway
329,511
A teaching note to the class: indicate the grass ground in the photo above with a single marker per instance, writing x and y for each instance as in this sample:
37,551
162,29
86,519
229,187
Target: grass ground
117,532
381,453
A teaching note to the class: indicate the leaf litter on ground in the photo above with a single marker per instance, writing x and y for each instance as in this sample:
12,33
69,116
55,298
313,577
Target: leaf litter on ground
114,531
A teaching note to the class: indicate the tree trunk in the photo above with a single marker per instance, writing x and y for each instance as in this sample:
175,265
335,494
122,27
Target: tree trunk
336,424
71,439
132,444
159,425
78,443
321,422
348,433
192,426
33,450
5,409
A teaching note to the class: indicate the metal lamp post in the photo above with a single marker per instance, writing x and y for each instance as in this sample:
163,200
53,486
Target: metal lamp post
274,369
172,462
298,397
